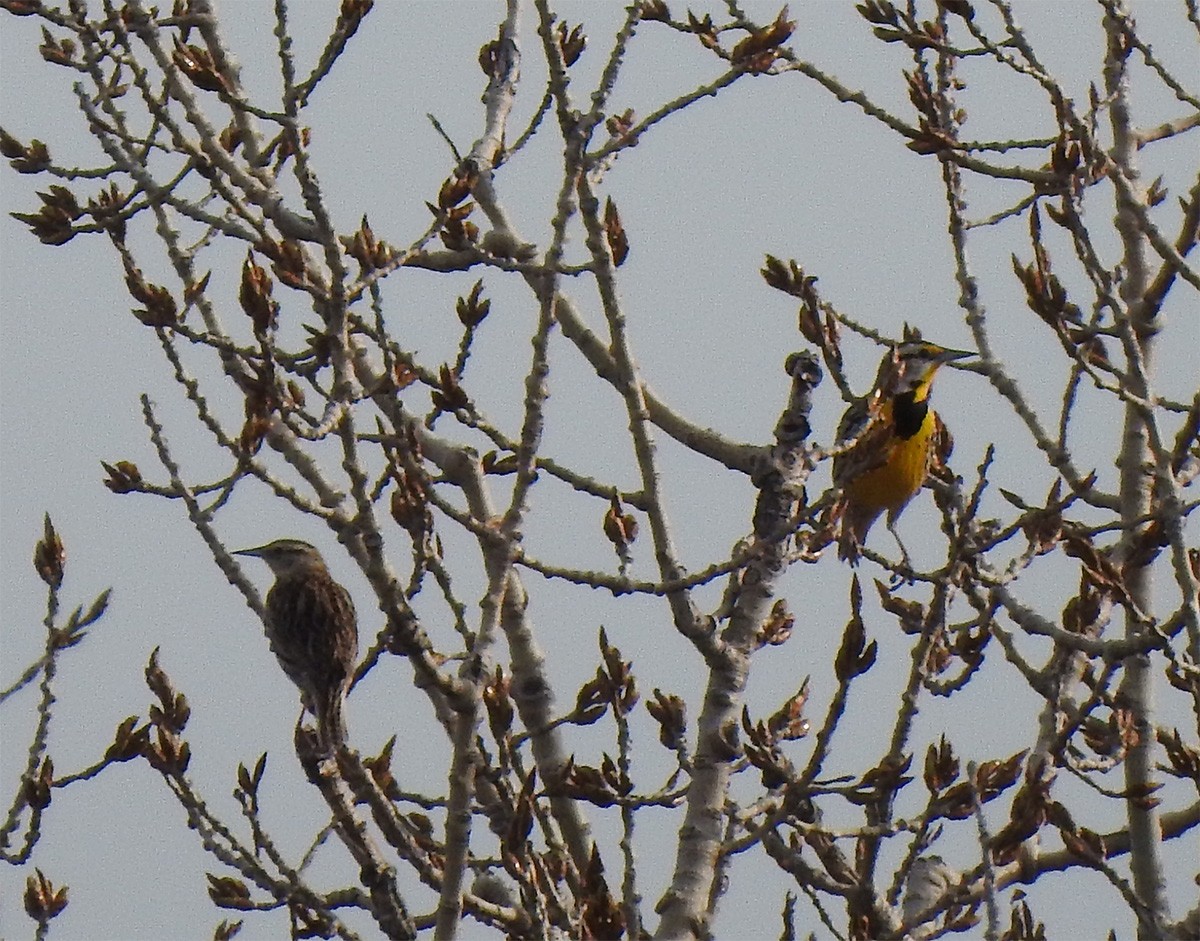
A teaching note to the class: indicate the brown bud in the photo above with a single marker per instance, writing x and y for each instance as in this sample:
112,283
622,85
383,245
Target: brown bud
106,209
198,65
788,722
129,741
457,187
231,138
459,233
254,295
777,628
614,233
57,51
249,781
160,309
364,248
380,768
226,930
941,766
10,147
50,555
42,901
352,14
403,375
228,892
254,431
173,711
669,712
473,308
620,528
495,463
571,43
123,477
655,10
855,656
37,790
757,51
32,159
499,704
619,125
449,395
958,7
410,506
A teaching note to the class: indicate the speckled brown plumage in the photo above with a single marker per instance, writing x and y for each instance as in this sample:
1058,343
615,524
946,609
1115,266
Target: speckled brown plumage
313,632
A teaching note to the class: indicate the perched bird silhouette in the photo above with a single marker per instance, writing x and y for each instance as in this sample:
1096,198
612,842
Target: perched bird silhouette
313,632
895,438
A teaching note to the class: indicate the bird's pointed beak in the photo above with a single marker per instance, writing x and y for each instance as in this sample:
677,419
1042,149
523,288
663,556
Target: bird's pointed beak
949,356
256,551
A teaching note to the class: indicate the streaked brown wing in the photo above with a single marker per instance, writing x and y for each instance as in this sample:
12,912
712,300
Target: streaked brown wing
941,446
312,630
862,424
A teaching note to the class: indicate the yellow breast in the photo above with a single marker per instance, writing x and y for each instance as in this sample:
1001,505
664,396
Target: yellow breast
900,476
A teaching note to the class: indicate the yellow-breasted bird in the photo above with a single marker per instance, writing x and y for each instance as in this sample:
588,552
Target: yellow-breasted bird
895,437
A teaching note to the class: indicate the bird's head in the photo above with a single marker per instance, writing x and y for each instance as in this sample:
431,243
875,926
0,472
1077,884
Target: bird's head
916,362
287,556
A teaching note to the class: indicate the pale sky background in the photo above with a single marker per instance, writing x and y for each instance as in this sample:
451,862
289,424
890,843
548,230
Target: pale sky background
772,165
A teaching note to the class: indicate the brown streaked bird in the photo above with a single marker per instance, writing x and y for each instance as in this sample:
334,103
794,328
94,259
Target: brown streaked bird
896,438
313,631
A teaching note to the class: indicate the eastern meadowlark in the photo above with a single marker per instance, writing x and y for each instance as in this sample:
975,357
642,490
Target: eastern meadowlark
312,630
895,439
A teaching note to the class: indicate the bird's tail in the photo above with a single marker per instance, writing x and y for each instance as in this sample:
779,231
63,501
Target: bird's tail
856,522
331,717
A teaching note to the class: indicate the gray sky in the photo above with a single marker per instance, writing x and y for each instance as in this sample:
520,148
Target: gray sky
772,165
